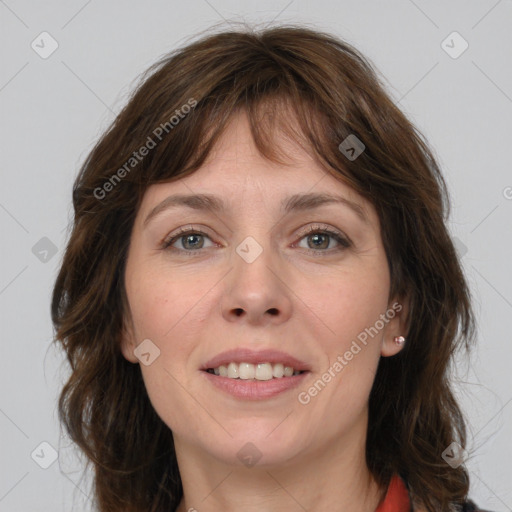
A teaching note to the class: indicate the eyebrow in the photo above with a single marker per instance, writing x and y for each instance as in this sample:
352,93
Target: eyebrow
297,202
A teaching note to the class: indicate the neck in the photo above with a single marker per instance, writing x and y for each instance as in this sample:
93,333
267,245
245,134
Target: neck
334,477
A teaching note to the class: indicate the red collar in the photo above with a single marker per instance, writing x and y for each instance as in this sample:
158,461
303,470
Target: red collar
397,497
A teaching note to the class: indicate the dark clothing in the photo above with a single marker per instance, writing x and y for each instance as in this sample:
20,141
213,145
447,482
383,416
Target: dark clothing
469,506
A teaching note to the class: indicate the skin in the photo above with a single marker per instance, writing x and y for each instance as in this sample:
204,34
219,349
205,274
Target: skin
313,307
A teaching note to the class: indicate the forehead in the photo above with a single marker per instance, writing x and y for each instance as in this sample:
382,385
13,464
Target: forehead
235,165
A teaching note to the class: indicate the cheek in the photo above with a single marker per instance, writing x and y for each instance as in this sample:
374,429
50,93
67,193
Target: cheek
356,312
349,303
351,306
169,311
164,303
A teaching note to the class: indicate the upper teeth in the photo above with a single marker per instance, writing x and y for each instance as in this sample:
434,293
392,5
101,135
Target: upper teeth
261,371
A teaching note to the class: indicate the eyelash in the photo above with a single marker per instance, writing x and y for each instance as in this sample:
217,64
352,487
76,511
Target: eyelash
315,229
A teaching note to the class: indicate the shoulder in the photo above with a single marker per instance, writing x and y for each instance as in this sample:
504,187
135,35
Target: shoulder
416,506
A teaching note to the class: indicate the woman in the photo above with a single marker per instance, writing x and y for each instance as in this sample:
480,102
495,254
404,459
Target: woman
260,299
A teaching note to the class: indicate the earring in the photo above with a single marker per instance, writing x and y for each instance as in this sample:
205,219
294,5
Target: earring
399,340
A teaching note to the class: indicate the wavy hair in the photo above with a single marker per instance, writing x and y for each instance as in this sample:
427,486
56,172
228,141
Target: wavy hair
319,90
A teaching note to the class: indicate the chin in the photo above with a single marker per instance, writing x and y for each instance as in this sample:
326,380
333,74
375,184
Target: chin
263,446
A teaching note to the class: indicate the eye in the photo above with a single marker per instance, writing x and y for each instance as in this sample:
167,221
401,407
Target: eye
319,239
190,239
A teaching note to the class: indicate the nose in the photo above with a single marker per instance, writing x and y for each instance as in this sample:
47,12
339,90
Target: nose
256,291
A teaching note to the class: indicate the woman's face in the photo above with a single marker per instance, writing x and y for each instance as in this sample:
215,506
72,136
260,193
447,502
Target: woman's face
262,277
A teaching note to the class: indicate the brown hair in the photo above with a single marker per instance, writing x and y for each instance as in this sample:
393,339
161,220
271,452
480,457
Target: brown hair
332,92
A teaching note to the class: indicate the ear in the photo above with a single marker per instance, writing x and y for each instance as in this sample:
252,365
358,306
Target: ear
398,325
127,341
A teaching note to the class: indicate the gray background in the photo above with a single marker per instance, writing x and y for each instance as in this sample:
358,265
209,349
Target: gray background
53,109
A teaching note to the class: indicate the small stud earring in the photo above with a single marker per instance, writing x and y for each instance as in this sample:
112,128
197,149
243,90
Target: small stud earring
399,340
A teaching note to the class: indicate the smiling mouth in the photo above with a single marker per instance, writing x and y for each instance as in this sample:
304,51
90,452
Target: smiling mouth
249,371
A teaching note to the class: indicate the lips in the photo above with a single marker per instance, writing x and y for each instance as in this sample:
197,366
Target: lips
254,389
245,355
